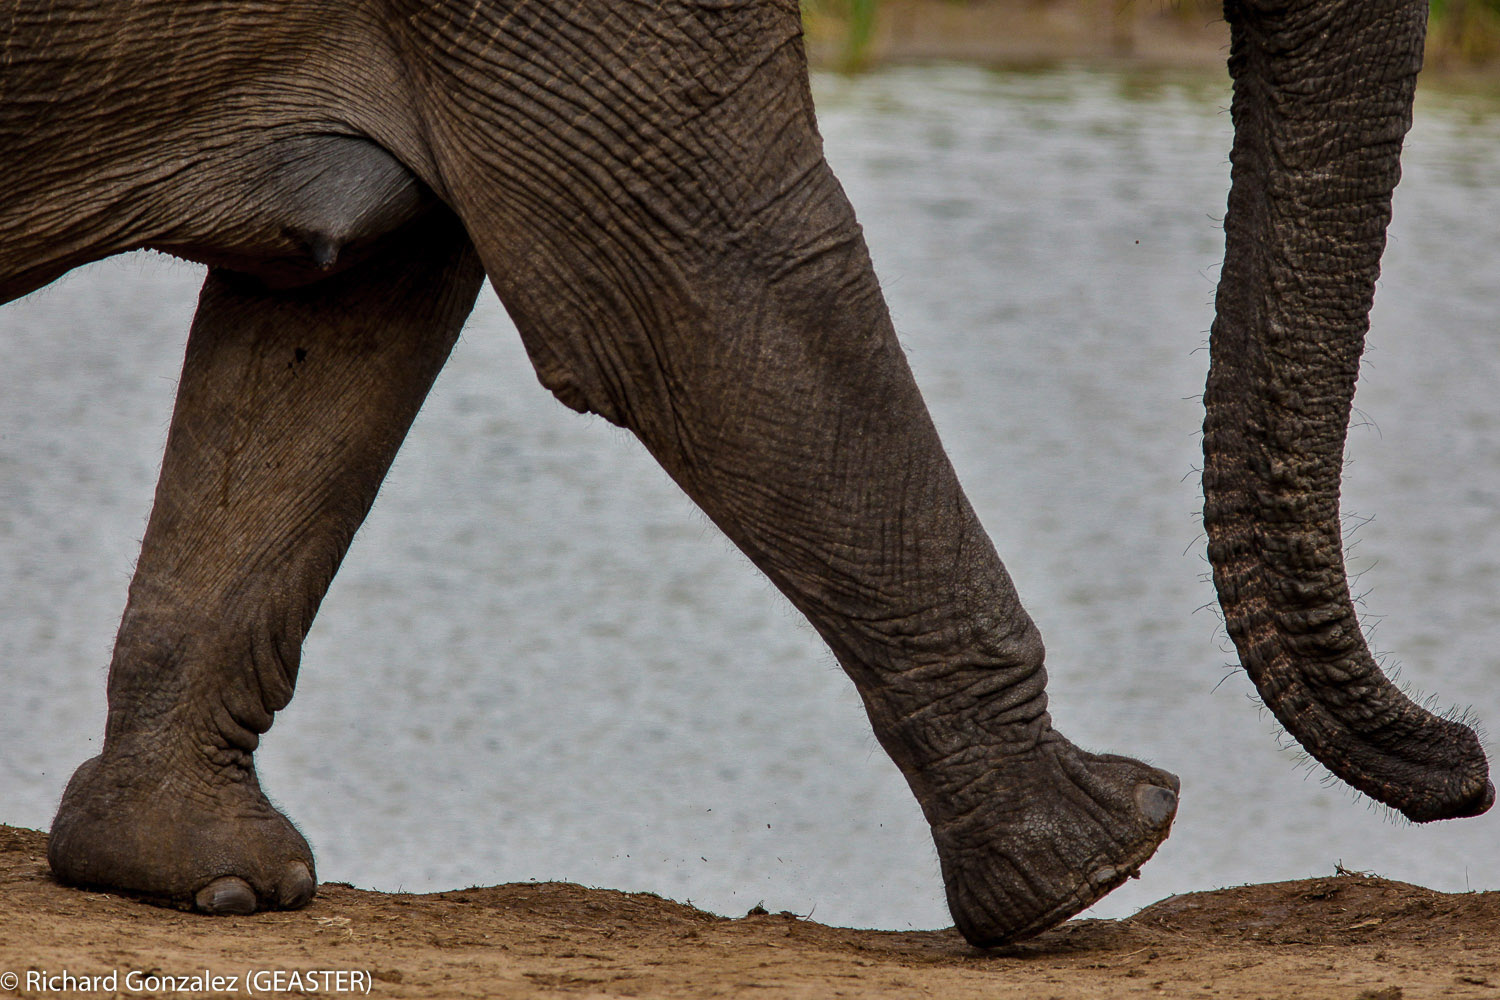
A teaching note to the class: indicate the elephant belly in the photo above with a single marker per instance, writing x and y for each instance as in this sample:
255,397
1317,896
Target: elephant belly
307,208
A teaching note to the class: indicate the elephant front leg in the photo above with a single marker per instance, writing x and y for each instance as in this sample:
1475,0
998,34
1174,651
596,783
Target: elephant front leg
769,383
829,474
291,407
660,223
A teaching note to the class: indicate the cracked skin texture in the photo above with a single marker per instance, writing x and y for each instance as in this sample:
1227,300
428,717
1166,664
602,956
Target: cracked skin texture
1347,936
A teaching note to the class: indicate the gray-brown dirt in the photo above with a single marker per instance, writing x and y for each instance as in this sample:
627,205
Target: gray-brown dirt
1345,937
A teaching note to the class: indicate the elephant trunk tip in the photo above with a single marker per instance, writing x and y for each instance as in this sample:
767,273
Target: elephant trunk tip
1444,774
1476,803
1457,785
1480,804
1365,730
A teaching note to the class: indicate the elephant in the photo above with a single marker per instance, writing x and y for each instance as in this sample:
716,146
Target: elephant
1322,101
643,183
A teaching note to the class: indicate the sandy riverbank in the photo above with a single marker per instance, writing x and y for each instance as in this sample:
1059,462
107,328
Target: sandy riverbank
1349,937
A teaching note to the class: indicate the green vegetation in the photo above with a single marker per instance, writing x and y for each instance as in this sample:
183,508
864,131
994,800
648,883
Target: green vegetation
1464,31
853,20
1459,32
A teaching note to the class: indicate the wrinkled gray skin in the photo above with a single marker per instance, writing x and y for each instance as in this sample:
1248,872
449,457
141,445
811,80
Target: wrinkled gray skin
1322,101
643,182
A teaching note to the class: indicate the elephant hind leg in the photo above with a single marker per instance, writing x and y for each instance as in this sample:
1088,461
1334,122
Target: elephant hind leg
291,407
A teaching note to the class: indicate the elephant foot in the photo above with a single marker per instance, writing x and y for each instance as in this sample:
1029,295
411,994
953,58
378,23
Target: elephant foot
1031,839
211,842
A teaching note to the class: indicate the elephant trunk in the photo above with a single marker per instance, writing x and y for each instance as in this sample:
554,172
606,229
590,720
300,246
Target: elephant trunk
1322,100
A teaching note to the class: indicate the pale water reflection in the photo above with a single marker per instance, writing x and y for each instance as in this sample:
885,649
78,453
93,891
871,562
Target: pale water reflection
540,662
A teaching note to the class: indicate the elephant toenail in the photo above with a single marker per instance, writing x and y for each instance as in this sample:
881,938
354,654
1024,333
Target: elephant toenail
1156,803
226,895
1105,876
297,886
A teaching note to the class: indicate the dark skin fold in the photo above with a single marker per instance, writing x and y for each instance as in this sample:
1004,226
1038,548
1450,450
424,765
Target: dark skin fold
643,183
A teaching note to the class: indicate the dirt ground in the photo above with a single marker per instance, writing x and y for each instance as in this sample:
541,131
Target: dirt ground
1347,937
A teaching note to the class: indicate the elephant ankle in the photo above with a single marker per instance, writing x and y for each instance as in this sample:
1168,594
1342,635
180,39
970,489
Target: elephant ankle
175,756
